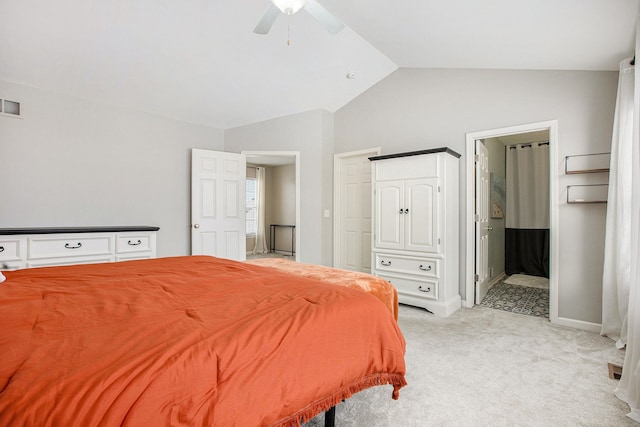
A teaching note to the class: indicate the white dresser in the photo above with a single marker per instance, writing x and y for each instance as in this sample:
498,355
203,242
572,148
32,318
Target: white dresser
416,227
41,247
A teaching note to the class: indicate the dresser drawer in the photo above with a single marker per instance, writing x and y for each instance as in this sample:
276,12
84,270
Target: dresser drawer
133,243
11,250
69,246
415,286
407,265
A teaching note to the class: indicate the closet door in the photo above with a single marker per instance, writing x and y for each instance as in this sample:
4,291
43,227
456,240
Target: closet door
421,215
389,222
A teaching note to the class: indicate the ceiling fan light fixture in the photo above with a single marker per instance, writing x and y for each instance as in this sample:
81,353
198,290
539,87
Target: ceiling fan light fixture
289,7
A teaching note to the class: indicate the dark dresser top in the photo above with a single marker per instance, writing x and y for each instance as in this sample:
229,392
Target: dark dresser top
65,230
416,153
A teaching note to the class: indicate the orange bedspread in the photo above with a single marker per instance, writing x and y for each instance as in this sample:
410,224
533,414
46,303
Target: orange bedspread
376,286
186,341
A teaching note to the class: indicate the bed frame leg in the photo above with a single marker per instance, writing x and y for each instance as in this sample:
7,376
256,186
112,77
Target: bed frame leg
330,417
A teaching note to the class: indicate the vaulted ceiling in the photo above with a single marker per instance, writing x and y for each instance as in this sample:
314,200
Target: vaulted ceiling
199,61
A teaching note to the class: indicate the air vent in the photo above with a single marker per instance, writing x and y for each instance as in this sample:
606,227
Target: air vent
9,108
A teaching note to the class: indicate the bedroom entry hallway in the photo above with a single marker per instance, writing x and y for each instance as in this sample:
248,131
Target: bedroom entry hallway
271,205
509,243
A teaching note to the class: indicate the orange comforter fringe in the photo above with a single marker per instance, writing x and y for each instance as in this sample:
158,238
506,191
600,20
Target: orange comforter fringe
396,380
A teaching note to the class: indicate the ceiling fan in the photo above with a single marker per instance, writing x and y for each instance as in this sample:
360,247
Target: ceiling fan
289,7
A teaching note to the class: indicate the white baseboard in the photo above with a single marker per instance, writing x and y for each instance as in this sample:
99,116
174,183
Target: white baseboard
497,279
578,324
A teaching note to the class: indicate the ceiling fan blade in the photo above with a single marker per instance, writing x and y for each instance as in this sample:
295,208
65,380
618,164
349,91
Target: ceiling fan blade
265,24
324,17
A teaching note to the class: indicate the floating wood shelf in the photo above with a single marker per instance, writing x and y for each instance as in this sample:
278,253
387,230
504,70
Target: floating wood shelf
587,163
595,193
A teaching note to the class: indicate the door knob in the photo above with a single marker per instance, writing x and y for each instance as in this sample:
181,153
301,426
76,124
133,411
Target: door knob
196,226
489,228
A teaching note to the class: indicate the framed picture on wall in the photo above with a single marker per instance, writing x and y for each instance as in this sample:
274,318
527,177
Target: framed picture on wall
498,195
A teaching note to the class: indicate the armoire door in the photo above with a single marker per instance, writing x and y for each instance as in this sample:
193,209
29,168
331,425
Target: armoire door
421,215
389,220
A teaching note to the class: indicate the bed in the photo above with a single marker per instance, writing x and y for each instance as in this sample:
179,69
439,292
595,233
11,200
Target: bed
187,341
375,286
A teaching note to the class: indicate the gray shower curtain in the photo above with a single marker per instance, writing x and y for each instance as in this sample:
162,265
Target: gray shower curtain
527,213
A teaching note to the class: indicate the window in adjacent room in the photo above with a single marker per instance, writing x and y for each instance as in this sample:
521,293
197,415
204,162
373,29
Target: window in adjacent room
251,209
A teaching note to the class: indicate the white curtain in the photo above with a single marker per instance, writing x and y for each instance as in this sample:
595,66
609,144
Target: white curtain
621,281
617,243
261,234
527,186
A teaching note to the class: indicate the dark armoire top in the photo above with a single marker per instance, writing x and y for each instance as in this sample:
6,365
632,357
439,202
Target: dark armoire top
416,153
65,230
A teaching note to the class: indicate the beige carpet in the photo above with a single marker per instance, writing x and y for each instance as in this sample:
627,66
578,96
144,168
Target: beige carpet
485,367
526,280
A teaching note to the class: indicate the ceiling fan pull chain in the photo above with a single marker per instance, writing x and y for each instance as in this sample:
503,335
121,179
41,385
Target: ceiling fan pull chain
288,30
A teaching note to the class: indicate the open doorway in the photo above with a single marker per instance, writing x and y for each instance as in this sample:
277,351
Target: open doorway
272,205
516,269
499,142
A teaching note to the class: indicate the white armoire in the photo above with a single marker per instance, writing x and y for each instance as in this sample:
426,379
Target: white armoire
416,224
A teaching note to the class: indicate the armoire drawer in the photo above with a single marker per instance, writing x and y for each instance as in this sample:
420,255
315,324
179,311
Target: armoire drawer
133,243
415,286
69,246
406,265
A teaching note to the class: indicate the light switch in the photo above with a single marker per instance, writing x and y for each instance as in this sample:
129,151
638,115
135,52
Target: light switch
327,213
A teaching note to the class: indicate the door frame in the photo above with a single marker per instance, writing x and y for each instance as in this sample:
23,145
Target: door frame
554,241
296,160
337,194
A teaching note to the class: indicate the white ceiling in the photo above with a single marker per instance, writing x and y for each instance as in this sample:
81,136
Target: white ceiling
199,60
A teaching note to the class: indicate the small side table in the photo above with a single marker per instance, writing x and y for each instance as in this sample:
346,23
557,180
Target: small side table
272,237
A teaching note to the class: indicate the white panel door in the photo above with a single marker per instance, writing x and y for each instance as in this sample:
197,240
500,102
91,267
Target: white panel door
217,204
355,212
389,218
482,221
421,215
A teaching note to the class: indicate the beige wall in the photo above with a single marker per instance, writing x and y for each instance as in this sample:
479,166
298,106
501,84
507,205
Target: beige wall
424,108
71,162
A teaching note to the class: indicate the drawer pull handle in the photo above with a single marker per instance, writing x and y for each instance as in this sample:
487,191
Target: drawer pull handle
427,289
385,263
68,246
1,248
130,243
424,269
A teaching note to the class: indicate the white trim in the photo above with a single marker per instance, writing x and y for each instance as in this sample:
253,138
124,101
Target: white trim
296,160
337,185
497,280
554,171
579,324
